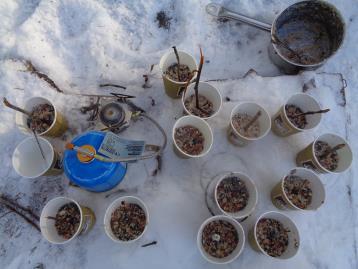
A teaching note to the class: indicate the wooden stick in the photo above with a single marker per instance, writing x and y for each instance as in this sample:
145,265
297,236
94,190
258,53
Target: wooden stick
22,215
335,148
8,200
196,87
149,244
112,85
312,112
39,145
8,104
254,119
32,69
178,60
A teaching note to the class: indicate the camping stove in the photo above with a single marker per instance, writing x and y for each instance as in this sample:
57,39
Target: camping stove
114,117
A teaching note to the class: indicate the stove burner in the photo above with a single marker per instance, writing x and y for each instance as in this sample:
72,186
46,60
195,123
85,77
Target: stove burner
112,114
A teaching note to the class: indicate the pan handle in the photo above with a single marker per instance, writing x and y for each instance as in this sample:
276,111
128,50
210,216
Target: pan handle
219,11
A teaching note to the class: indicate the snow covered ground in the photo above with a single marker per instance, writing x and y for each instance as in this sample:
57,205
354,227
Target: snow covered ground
82,43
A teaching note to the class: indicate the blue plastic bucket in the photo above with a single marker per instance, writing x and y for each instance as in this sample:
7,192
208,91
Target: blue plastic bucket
95,175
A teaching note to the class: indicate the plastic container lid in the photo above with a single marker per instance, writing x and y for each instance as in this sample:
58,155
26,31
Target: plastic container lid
94,175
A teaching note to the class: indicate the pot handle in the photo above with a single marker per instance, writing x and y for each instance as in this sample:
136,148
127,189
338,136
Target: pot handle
219,11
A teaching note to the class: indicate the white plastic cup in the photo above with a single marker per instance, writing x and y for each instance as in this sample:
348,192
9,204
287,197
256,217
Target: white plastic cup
307,157
28,161
113,206
282,126
280,199
237,251
173,88
47,225
251,204
293,235
203,127
207,90
58,126
251,109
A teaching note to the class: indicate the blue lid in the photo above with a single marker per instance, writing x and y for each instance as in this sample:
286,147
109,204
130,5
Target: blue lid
94,173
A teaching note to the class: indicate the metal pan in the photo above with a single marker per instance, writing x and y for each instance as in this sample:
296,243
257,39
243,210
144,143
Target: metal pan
303,36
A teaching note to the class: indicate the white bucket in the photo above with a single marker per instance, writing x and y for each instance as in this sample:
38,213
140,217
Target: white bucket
203,127
207,90
307,157
172,87
282,126
293,235
113,206
47,225
28,161
58,126
251,109
345,154
237,251
281,200
253,196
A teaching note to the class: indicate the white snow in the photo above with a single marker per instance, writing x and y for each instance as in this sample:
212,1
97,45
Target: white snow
82,43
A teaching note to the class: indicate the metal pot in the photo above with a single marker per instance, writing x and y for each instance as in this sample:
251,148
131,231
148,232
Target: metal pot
303,36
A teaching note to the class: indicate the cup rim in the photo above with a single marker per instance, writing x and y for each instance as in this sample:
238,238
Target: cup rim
250,138
26,140
109,211
214,89
237,226
255,236
288,120
79,226
232,215
319,164
163,58
180,150
309,171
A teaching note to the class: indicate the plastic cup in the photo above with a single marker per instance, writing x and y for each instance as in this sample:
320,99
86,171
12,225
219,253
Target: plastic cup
293,235
207,90
251,109
252,201
113,206
174,88
237,251
47,225
282,126
57,128
281,200
307,158
203,127
28,162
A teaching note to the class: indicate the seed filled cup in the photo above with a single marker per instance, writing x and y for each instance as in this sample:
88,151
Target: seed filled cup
275,235
28,161
288,120
235,195
126,219
168,66
300,189
192,137
46,119
210,101
63,219
328,153
243,127
221,239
